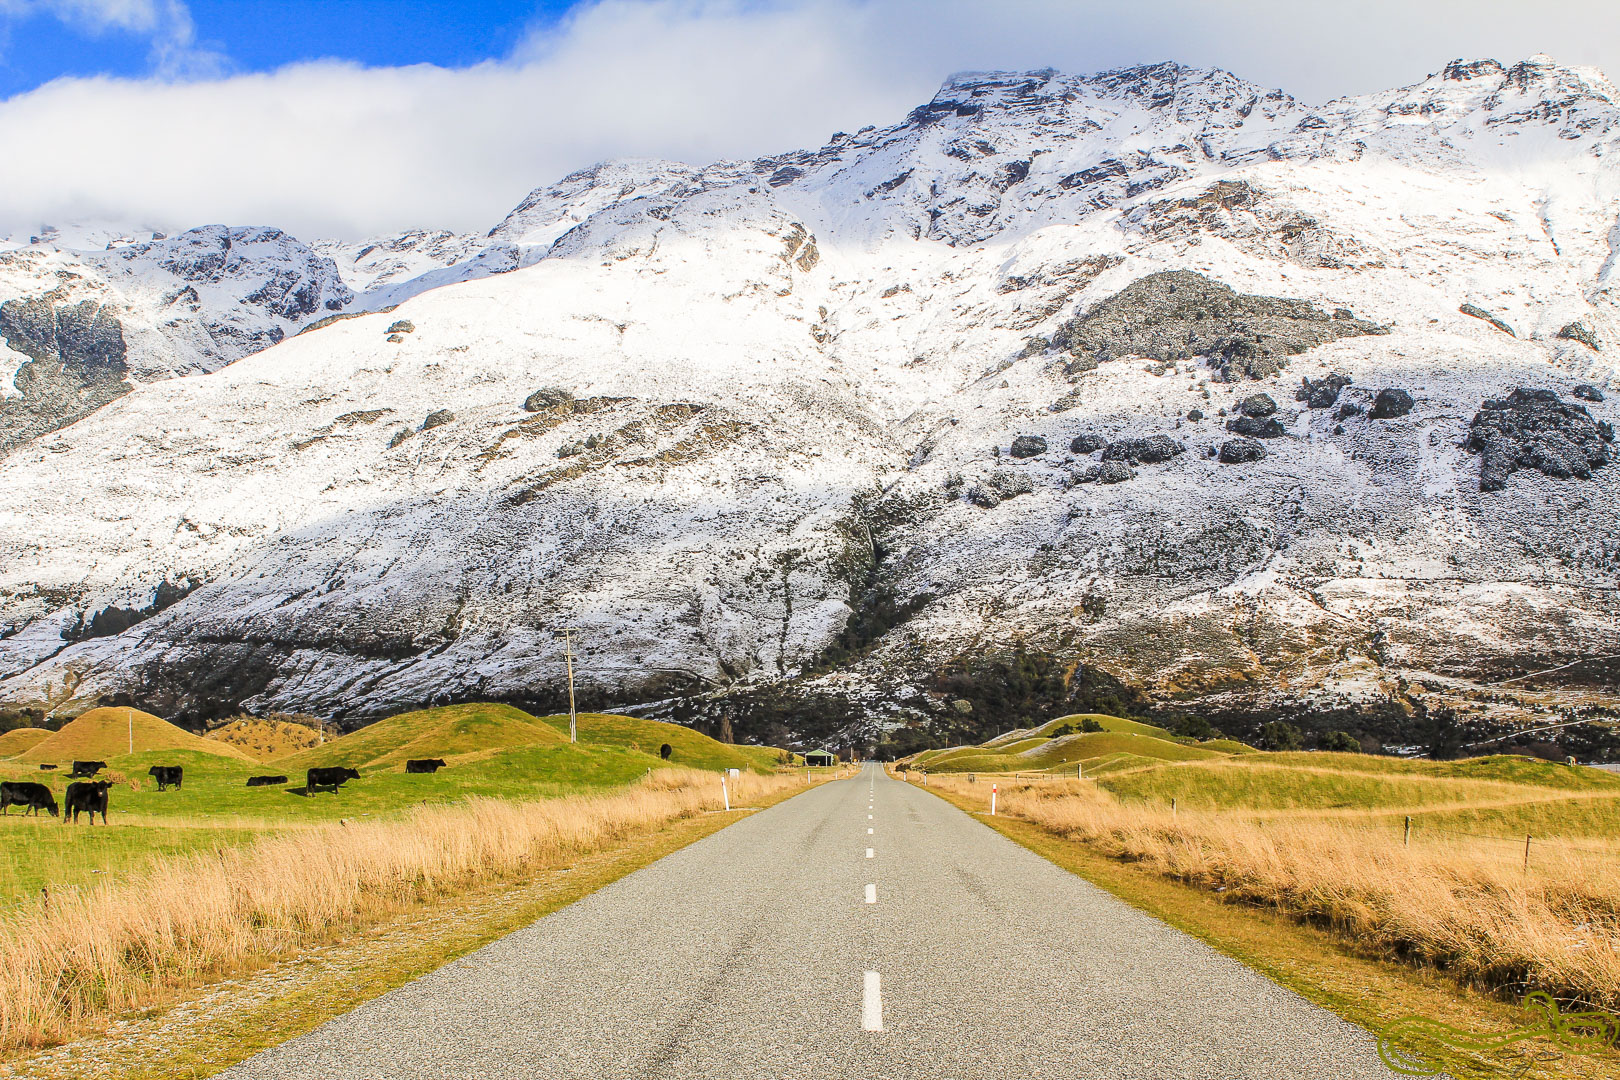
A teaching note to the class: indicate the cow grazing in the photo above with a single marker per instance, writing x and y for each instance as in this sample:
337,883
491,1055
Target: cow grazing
89,796
86,769
665,750
328,778
265,781
427,765
166,775
43,767
35,797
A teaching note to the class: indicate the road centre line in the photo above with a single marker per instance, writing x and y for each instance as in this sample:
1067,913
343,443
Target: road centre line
872,1002
871,893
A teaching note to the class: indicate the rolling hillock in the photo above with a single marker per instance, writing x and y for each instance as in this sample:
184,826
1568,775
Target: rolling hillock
265,738
107,733
18,740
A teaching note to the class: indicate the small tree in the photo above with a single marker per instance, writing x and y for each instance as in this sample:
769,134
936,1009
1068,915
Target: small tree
1340,742
1280,735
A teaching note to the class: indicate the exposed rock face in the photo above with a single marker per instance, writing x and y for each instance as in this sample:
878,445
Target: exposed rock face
1181,314
1256,427
1238,451
438,418
547,398
1588,392
75,365
1535,429
1321,393
1578,332
1028,446
1108,472
1148,451
1257,405
1002,484
1390,404
1480,313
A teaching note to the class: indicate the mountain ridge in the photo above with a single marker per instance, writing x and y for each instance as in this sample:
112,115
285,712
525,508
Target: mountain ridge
837,401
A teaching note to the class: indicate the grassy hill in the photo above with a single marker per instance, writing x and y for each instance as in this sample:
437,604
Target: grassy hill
1057,746
103,734
266,739
692,749
443,732
20,739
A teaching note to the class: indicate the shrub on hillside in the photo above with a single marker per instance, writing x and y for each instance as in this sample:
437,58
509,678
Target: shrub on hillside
1339,741
1280,735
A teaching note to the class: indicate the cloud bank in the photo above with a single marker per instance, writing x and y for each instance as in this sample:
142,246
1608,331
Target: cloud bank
335,149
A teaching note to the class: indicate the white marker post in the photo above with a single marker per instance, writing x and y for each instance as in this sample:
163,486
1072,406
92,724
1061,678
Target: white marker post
993,788
723,793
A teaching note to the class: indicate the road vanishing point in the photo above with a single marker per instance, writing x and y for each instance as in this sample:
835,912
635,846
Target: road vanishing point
811,940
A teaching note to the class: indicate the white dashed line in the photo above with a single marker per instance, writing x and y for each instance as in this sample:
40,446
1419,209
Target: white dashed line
871,894
868,853
868,832
868,817
872,1003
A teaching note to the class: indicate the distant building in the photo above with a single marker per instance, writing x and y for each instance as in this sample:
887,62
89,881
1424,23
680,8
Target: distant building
820,757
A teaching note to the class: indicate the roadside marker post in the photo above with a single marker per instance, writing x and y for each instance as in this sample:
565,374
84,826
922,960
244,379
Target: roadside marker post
1406,841
993,789
723,793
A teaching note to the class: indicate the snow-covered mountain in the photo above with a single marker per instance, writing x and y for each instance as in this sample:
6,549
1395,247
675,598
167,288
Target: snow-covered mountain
1150,382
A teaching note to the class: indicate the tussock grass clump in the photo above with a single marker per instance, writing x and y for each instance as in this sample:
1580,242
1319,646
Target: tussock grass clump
1466,904
93,953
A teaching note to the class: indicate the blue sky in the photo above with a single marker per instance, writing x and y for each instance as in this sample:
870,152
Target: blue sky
354,118
45,42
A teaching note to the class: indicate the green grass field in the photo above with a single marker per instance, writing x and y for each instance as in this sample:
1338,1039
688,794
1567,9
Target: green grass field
491,750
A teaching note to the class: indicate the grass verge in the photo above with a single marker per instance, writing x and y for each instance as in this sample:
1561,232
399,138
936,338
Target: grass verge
1350,976
74,964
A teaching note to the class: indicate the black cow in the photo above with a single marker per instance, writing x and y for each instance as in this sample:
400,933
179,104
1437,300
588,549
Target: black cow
23,793
89,796
665,750
166,775
424,764
265,781
329,778
86,768
42,767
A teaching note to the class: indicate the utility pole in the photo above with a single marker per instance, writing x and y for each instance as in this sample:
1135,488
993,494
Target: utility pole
129,714
567,634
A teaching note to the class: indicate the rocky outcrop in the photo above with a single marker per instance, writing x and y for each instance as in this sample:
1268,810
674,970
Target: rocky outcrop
1108,472
1086,444
1257,405
1389,404
1535,429
999,486
1148,451
1257,427
76,365
1239,451
1028,446
1321,393
1182,315
1578,332
1588,392
1480,313
548,398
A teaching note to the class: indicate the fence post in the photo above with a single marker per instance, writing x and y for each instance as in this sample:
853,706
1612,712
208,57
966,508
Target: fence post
1172,807
1527,853
1406,841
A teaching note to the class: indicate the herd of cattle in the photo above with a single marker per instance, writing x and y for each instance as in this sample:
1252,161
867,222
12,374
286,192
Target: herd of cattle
89,796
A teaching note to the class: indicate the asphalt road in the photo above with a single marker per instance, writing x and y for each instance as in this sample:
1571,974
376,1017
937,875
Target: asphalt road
775,947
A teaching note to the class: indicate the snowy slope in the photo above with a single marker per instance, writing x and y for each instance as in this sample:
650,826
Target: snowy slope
771,390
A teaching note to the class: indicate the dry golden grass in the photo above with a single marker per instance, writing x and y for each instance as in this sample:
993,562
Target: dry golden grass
107,733
266,738
1467,905
17,740
90,955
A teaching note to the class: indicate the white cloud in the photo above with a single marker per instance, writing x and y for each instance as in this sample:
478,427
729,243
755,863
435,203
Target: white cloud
332,148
